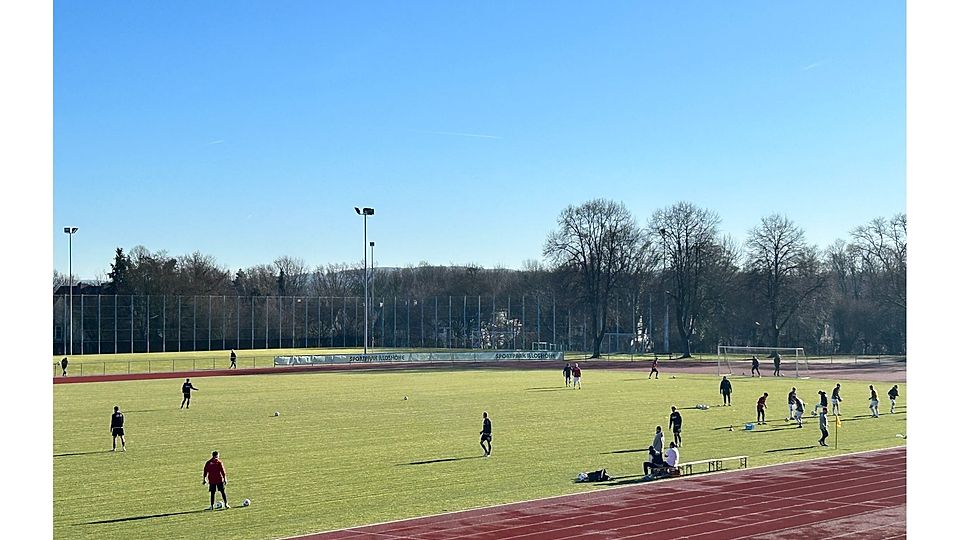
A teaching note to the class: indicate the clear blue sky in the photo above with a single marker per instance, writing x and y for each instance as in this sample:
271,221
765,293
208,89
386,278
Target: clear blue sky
250,130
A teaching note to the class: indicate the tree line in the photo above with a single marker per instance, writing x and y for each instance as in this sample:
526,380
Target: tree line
772,289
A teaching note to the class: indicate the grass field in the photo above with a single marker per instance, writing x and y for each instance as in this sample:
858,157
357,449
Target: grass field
348,450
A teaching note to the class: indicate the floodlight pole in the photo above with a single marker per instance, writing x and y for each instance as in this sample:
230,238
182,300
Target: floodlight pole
373,276
666,306
366,308
70,231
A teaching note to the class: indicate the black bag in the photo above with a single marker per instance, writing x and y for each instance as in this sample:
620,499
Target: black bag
598,476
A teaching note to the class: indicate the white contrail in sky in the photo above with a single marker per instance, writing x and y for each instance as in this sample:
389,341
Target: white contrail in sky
816,64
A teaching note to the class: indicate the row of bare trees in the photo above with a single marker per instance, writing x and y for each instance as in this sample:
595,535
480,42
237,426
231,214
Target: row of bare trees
772,289
851,297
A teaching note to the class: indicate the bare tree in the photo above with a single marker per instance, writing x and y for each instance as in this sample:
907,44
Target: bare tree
690,239
296,277
59,280
786,269
597,241
882,246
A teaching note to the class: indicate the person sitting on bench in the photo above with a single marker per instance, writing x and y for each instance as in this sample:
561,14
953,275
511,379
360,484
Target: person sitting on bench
673,457
654,461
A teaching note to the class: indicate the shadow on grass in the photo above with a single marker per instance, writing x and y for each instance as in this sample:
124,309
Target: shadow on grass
145,410
546,389
625,480
441,460
82,453
626,451
791,449
137,518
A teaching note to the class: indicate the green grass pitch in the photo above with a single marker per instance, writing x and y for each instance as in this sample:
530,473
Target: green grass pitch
348,450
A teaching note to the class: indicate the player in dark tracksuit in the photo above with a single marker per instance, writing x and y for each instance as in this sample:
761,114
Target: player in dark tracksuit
186,388
486,435
893,394
233,359
675,421
116,429
63,365
566,375
726,388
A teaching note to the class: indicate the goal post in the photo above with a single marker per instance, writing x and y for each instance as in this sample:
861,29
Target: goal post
731,358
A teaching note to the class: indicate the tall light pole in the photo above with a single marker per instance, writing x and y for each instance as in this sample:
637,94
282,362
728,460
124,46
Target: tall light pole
666,307
373,282
366,308
70,231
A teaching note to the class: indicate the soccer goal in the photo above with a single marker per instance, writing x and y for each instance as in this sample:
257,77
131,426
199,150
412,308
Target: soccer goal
731,359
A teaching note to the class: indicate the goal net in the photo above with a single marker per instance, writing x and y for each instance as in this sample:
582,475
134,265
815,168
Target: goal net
733,360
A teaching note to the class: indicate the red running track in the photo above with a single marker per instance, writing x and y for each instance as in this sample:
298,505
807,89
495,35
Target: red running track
861,496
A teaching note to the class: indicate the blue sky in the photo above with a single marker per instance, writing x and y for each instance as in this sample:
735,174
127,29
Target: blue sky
250,130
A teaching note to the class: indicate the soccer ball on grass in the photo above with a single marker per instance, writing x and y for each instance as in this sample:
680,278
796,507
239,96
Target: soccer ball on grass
246,502
218,505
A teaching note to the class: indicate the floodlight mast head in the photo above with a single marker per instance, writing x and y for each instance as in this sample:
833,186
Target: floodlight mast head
364,212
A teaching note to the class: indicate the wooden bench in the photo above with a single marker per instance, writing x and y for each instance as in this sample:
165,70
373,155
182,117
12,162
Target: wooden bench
714,464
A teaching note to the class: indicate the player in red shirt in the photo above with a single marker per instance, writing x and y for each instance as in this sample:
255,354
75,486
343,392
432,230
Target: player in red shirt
653,368
576,375
762,409
213,470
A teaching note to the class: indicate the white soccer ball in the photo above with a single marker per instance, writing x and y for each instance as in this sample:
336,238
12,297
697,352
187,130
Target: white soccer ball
246,502
276,413
219,505
404,398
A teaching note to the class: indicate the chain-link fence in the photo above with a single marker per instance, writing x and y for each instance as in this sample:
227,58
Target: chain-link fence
106,324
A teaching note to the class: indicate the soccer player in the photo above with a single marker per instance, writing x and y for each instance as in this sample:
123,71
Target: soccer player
893,394
486,435
566,374
822,404
576,375
762,409
874,403
186,388
233,359
754,366
63,366
675,421
836,399
214,472
823,427
653,368
116,429
776,365
798,403
791,403
726,388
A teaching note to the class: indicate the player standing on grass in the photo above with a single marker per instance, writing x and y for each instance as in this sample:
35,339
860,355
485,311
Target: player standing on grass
762,409
754,366
726,388
566,375
186,388
874,403
653,368
63,365
486,435
823,427
893,393
675,421
233,359
576,375
836,399
116,429
658,440
214,472
776,365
